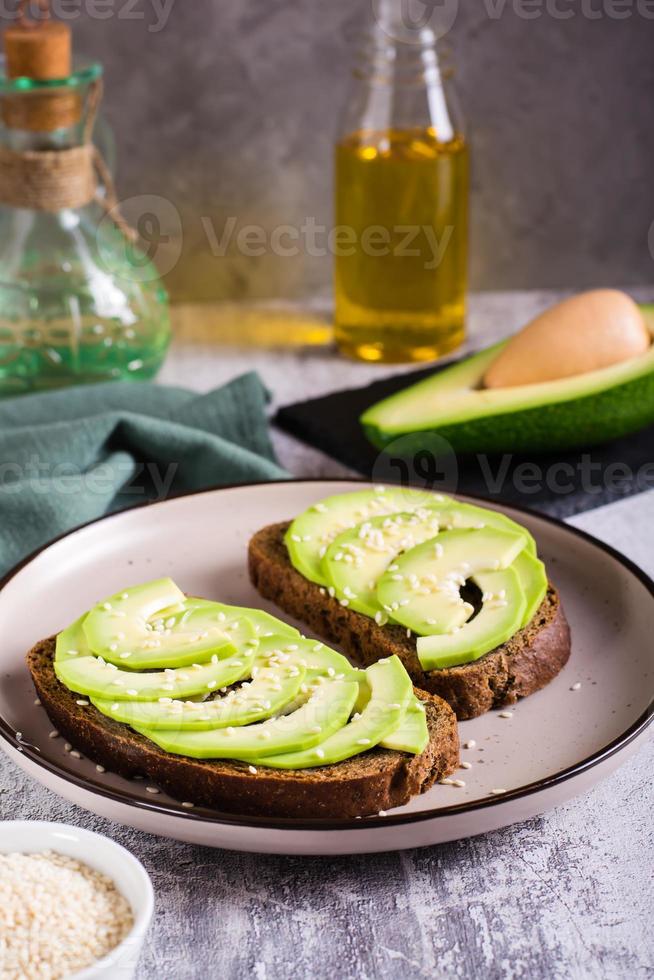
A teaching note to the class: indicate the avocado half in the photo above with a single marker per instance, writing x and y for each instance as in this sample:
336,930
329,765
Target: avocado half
581,411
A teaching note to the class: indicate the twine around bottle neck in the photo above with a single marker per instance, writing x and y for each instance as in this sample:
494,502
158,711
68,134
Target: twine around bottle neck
58,179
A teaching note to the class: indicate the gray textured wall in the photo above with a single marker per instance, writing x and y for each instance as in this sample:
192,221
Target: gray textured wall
230,109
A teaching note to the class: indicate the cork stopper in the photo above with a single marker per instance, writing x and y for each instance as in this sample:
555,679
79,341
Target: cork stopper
40,50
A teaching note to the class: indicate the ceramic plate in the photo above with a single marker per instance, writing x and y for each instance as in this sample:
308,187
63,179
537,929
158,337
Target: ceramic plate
556,744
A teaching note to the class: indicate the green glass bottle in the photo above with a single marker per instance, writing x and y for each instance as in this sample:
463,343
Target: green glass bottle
79,303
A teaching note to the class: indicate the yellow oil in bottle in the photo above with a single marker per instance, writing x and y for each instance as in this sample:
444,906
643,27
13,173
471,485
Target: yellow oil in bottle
401,244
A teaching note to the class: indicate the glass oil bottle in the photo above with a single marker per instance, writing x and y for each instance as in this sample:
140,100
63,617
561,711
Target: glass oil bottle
401,205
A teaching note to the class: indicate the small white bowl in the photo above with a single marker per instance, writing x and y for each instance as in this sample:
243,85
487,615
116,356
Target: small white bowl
129,875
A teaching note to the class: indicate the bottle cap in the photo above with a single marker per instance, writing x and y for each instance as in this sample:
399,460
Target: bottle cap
40,50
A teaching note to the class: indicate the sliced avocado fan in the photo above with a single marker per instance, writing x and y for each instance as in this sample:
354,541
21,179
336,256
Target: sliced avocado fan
417,568
268,693
572,412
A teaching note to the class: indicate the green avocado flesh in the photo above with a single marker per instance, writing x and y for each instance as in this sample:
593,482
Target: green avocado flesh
325,712
265,693
409,568
133,629
313,531
391,692
452,406
501,616
423,591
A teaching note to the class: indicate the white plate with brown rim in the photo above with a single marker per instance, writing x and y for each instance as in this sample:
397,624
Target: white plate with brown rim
555,745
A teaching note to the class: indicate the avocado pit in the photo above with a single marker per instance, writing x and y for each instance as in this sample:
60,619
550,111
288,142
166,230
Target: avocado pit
583,333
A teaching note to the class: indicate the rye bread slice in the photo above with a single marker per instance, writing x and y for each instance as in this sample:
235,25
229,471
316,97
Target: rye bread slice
522,665
376,780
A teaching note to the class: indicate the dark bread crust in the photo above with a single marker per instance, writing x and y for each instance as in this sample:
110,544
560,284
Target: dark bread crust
377,780
526,663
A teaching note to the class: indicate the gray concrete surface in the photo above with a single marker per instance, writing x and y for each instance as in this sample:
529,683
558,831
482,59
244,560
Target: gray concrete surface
228,108
565,896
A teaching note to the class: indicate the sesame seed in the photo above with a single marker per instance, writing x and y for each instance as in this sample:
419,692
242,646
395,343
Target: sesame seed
575,687
466,765
125,656
320,753
363,741
151,789
133,693
63,915
82,703
75,754
505,714
100,769
470,744
498,792
188,806
459,783
381,813
53,734
68,747
37,703
446,782
253,770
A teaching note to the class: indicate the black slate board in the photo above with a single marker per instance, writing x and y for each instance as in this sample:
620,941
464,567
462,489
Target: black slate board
560,483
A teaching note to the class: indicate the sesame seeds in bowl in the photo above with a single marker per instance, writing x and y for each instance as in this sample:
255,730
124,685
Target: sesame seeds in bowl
73,904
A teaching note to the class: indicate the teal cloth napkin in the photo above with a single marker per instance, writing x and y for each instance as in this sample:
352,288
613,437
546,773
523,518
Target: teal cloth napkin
71,455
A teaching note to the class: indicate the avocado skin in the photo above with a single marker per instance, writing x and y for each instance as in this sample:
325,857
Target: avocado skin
586,421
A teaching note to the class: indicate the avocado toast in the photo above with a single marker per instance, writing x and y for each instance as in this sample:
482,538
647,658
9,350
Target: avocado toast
233,709
455,591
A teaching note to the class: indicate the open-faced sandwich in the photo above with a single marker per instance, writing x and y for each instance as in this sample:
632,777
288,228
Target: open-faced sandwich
231,708
455,591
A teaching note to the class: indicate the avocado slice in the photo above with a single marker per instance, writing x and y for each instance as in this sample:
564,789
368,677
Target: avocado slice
72,643
577,411
357,558
421,590
310,534
154,625
501,615
316,658
533,582
266,694
325,712
412,734
391,692
93,677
